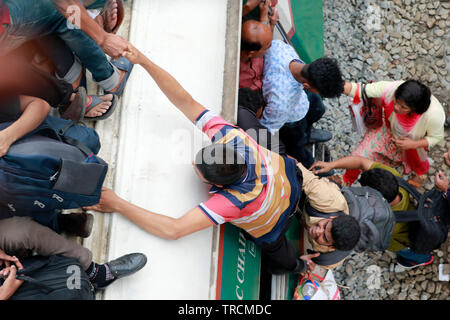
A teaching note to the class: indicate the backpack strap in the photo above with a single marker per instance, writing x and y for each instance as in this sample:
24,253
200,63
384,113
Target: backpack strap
406,216
330,258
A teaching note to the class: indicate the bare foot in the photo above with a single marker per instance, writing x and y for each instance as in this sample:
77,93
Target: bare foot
101,108
107,18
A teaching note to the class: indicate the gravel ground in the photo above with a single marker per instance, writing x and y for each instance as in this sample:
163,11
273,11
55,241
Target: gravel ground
381,40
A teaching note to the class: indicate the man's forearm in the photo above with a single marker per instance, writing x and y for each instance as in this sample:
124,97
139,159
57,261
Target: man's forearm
351,162
156,224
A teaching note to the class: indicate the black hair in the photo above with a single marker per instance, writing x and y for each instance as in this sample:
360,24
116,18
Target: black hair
381,180
325,76
346,232
416,95
250,46
220,164
250,99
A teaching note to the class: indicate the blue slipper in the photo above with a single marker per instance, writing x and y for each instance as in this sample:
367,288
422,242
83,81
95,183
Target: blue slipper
96,100
125,65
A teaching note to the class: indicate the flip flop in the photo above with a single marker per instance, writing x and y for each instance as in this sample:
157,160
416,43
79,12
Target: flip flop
125,65
96,100
76,110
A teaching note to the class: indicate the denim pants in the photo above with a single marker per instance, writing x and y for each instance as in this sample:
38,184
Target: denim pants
295,135
33,19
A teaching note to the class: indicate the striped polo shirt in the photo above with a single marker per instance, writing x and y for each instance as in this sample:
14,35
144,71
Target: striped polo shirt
266,195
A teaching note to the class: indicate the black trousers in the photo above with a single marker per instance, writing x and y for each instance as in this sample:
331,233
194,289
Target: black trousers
280,256
19,77
295,135
248,121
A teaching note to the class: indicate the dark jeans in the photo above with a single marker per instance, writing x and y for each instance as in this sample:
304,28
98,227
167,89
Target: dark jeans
37,18
296,135
19,77
248,121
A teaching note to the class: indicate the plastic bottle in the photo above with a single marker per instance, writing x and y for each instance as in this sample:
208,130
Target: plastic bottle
308,290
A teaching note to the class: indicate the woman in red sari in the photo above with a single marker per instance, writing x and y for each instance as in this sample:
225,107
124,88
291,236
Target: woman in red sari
413,122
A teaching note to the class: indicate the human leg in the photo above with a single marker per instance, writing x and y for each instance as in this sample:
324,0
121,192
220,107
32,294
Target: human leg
69,68
281,255
22,233
33,19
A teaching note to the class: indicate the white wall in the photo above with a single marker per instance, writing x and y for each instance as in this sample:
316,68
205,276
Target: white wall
187,38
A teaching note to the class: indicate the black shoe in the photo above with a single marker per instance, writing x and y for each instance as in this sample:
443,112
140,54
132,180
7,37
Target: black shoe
318,135
125,266
77,224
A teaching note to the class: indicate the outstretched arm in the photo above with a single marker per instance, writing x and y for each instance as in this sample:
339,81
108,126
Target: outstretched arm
156,224
34,111
168,84
351,162
113,45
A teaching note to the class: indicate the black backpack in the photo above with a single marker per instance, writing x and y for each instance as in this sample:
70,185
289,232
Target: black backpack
428,224
375,218
53,278
53,167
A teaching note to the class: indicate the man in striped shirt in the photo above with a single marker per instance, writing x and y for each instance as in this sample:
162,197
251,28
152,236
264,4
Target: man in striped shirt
252,187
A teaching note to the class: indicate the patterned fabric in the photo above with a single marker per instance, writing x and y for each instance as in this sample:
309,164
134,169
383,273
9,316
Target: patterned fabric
285,97
263,199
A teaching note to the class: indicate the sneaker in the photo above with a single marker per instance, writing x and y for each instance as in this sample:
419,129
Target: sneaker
77,224
406,266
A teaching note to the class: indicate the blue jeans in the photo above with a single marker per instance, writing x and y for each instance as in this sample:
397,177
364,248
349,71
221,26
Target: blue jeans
33,19
295,135
409,257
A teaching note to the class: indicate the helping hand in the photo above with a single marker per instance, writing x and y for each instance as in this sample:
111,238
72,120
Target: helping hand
114,45
133,54
107,202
